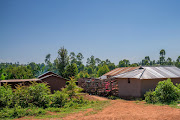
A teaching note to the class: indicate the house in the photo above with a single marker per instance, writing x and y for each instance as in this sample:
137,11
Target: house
55,81
136,82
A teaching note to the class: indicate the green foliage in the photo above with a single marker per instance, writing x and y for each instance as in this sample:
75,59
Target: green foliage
59,99
150,97
72,89
178,86
6,96
18,72
165,92
81,75
62,60
18,112
102,70
86,75
36,95
112,97
71,71
33,99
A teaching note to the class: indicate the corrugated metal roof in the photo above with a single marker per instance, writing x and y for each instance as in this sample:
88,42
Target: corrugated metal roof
120,70
151,73
19,80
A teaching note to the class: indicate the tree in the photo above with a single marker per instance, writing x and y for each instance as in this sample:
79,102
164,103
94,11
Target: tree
49,66
147,58
79,57
98,61
111,66
178,59
89,70
71,71
81,67
86,75
34,68
47,59
91,61
73,57
102,70
126,62
169,61
162,57
122,64
81,75
63,60
134,65
178,62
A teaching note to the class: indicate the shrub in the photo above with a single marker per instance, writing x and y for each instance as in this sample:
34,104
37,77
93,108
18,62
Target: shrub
6,96
178,86
34,95
21,96
40,94
167,92
59,99
150,97
72,89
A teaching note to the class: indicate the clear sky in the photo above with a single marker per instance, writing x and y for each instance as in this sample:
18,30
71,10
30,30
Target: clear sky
107,29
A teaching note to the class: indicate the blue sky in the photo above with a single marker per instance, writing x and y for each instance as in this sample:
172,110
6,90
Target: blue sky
107,29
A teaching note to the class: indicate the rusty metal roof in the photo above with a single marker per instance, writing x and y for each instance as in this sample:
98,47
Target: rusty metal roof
120,70
151,73
18,80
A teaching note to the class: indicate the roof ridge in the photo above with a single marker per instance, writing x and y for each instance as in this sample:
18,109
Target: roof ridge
142,73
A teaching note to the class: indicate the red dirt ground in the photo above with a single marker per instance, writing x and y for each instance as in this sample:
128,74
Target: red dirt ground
129,110
126,110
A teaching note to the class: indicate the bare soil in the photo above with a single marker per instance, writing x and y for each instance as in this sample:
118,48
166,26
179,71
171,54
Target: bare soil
130,110
126,110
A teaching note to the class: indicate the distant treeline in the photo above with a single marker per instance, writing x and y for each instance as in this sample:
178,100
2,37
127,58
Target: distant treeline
68,65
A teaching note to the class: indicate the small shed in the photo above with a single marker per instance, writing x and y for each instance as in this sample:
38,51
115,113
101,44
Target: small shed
135,83
55,81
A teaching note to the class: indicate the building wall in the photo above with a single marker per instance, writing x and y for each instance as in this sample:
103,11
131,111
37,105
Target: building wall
146,85
132,89
55,83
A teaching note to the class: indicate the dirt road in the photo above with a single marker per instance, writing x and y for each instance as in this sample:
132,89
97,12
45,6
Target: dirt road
129,110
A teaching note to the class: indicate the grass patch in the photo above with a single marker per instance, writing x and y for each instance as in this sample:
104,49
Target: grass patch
63,112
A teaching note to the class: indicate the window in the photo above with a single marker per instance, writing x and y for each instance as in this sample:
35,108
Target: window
128,80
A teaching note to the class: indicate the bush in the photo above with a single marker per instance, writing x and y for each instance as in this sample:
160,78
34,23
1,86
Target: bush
6,96
72,89
178,86
59,99
165,92
34,95
150,97
40,94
